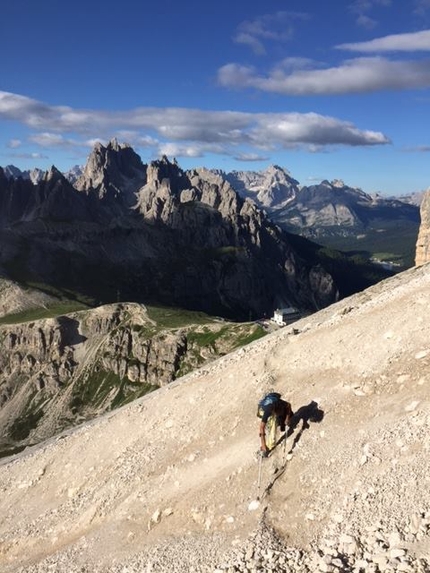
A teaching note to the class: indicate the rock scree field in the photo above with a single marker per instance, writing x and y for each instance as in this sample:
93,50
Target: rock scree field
170,482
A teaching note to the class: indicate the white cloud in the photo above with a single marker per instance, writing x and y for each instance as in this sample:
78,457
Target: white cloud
298,64
361,8
184,132
237,76
250,157
178,150
366,22
28,155
53,140
277,27
310,130
412,42
359,75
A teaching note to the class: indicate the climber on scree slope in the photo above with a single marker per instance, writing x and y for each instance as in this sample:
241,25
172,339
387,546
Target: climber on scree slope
277,411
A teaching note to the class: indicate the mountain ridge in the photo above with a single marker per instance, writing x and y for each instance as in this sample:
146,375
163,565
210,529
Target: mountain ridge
153,233
331,213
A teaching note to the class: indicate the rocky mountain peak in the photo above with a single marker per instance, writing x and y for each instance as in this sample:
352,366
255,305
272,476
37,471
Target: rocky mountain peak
164,169
114,144
114,171
73,173
272,188
338,183
280,173
422,253
3,177
52,175
34,175
12,172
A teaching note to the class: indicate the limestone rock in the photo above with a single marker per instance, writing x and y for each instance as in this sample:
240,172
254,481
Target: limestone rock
422,254
155,232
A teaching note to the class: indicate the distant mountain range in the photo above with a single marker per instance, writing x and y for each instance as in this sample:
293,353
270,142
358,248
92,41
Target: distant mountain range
153,233
315,209
271,189
311,209
331,213
334,214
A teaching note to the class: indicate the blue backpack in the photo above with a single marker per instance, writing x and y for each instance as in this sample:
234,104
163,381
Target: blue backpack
268,400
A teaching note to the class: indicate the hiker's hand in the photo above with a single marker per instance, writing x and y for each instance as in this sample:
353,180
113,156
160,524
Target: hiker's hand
264,453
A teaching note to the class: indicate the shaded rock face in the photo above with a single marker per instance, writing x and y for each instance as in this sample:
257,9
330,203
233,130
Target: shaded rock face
244,253
134,232
52,198
113,173
422,254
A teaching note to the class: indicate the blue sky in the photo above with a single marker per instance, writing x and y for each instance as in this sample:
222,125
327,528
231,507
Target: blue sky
327,90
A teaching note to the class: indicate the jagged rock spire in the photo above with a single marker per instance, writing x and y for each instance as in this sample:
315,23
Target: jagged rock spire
422,253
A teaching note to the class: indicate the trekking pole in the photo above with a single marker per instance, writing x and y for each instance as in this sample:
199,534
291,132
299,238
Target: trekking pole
259,475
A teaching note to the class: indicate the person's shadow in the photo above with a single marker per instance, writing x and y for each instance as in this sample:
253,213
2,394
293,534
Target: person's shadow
305,414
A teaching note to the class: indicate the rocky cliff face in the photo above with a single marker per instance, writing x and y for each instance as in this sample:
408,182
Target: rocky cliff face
60,371
154,232
53,198
422,254
271,189
113,173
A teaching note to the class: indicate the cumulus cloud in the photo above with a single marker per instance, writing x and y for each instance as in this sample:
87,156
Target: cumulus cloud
191,149
412,42
359,75
184,132
276,27
310,129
